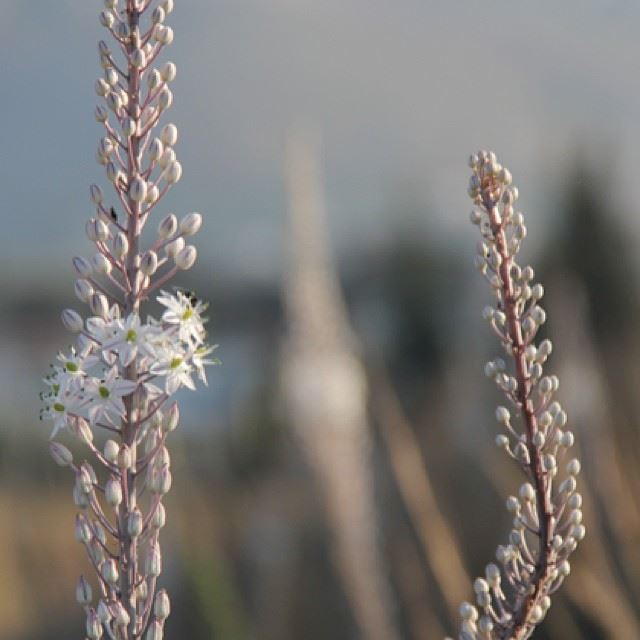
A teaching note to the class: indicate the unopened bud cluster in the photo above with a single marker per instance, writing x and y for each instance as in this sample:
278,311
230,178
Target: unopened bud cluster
117,380
514,595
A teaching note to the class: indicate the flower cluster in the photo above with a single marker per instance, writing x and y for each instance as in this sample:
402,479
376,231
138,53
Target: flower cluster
118,379
89,381
547,516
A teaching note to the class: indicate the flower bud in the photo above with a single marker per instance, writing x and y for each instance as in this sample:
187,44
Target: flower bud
84,593
502,442
129,127
101,114
169,135
111,450
101,264
162,605
168,72
149,263
94,626
113,173
109,571
121,617
186,257
155,149
61,455
111,77
190,224
120,246
114,101
102,87
171,419
125,459
104,614
154,632
153,563
154,80
161,481
162,458
165,99
106,62
527,492
168,158
159,517
142,591
138,59
141,282
72,320
83,290
82,529
174,247
97,230
168,226
107,19
174,173
96,194
122,30
138,189
134,523
113,492
82,266
105,147
80,499
99,305
158,15
567,438
164,35
82,430
573,468
167,5
152,195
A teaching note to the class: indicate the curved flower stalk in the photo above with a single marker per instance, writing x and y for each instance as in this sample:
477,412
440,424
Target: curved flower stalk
513,599
118,379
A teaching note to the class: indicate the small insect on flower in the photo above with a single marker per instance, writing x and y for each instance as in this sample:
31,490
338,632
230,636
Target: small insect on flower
190,295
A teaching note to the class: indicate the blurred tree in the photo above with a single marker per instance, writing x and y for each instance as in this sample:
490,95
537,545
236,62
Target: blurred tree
593,246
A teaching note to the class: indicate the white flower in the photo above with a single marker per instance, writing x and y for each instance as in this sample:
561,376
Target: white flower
184,310
106,396
62,402
74,365
199,360
102,330
173,364
129,338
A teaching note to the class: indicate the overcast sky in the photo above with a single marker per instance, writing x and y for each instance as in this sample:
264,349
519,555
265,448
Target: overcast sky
402,91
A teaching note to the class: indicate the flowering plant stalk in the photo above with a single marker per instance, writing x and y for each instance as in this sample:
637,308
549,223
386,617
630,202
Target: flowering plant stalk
547,520
119,377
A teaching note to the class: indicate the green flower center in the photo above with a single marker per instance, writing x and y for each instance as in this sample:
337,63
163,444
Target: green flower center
58,407
72,367
175,363
55,388
104,392
187,314
132,336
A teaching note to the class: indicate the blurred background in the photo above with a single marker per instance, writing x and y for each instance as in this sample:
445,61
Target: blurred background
337,479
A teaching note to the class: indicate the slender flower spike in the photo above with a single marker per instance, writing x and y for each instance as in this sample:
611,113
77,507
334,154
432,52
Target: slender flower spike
119,377
546,526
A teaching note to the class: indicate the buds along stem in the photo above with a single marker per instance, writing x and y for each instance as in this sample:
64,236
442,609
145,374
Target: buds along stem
118,378
547,519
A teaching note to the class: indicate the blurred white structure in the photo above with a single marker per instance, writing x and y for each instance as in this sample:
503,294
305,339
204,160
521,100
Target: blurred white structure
325,388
